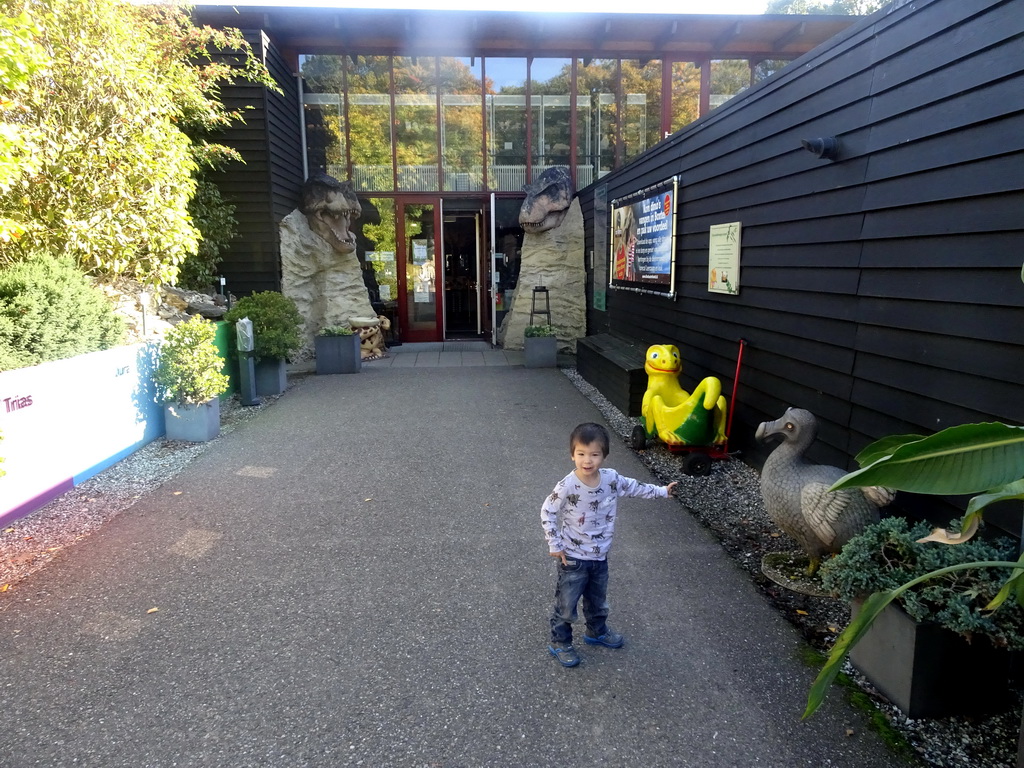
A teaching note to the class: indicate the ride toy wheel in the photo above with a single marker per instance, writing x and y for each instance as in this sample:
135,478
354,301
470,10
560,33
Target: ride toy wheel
638,439
697,464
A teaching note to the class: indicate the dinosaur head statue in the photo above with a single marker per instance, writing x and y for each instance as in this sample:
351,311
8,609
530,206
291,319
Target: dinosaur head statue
330,207
663,358
547,200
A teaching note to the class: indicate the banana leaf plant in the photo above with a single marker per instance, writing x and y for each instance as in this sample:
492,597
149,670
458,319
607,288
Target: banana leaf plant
985,459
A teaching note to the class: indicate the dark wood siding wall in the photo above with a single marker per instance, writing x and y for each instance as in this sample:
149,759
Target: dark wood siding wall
881,291
266,188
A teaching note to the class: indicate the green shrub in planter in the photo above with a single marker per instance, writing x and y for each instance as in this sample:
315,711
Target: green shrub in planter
275,322
49,310
337,350
986,459
189,371
890,553
538,331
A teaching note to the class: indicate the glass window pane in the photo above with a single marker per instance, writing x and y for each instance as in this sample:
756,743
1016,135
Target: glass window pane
323,103
596,119
641,89
369,115
768,67
462,123
685,94
506,123
375,247
420,269
416,123
728,77
549,113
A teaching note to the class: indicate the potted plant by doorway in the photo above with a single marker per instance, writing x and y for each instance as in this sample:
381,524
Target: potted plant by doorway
337,350
540,346
275,324
189,381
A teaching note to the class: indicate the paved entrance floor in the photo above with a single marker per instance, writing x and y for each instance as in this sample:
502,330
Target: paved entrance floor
357,576
447,354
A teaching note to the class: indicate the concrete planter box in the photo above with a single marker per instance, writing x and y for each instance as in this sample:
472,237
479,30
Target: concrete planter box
192,423
540,351
271,377
929,671
337,354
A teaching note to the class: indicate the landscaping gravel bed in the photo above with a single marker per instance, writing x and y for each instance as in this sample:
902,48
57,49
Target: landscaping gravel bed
727,502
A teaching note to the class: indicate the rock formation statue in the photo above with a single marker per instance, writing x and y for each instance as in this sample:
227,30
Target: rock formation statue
796,494
552,256
319,267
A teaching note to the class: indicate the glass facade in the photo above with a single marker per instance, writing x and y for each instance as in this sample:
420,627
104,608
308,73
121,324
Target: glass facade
399,124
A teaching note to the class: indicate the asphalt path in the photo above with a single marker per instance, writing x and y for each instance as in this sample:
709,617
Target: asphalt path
358,577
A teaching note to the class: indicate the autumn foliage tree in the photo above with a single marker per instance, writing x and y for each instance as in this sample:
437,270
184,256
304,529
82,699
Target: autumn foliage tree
110,128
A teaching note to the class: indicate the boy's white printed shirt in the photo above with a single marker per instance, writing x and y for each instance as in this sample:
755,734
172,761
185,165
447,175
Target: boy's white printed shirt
579,520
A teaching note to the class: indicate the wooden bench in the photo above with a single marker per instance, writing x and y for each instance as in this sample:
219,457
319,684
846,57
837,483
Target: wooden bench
615,367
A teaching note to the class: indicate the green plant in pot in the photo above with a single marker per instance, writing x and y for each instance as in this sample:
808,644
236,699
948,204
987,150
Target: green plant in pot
540,346
985,459
189,381
337,350
275,323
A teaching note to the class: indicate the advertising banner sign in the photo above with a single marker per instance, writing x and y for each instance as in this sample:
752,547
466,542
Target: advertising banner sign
643,227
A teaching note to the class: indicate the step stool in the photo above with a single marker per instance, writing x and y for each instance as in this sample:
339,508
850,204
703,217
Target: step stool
546,312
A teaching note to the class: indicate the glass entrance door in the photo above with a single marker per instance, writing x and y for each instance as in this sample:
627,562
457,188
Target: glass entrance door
420,275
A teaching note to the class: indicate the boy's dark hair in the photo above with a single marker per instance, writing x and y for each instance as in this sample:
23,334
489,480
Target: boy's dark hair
588,433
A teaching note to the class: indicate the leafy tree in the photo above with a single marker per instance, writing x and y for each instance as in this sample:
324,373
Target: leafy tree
832,7
104,121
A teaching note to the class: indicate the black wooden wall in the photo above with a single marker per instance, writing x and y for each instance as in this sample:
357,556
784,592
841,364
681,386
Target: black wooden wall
266,187
881,291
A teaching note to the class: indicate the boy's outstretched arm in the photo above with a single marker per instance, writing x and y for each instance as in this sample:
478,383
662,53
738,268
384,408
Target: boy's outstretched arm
671,487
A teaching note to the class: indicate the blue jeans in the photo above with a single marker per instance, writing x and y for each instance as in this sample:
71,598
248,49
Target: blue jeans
580,578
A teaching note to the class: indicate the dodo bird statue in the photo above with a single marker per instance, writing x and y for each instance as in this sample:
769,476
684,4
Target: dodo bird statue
796,494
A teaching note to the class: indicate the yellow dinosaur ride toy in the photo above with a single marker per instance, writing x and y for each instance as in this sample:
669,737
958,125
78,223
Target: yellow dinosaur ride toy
695,423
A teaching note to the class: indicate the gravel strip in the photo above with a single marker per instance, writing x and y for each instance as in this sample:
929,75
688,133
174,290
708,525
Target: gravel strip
727,502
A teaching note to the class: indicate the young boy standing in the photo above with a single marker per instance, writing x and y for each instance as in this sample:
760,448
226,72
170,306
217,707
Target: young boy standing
578,520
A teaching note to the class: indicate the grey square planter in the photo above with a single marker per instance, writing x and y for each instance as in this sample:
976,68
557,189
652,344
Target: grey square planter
271,377
540,351
337,354
929,671
192,423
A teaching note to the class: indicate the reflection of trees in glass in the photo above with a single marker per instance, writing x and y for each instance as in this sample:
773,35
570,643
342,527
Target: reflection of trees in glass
685,94
728,78
597,117
375,232
462,123
641,88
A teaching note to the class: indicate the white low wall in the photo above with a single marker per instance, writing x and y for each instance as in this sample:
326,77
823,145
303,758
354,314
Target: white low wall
64,421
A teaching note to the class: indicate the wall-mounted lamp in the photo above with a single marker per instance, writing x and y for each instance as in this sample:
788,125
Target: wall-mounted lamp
827,148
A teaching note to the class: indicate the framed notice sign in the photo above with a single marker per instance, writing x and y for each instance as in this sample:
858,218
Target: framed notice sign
643,227
724,258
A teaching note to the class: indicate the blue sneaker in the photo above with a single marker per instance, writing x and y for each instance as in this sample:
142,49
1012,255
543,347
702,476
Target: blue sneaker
609,639
565,654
